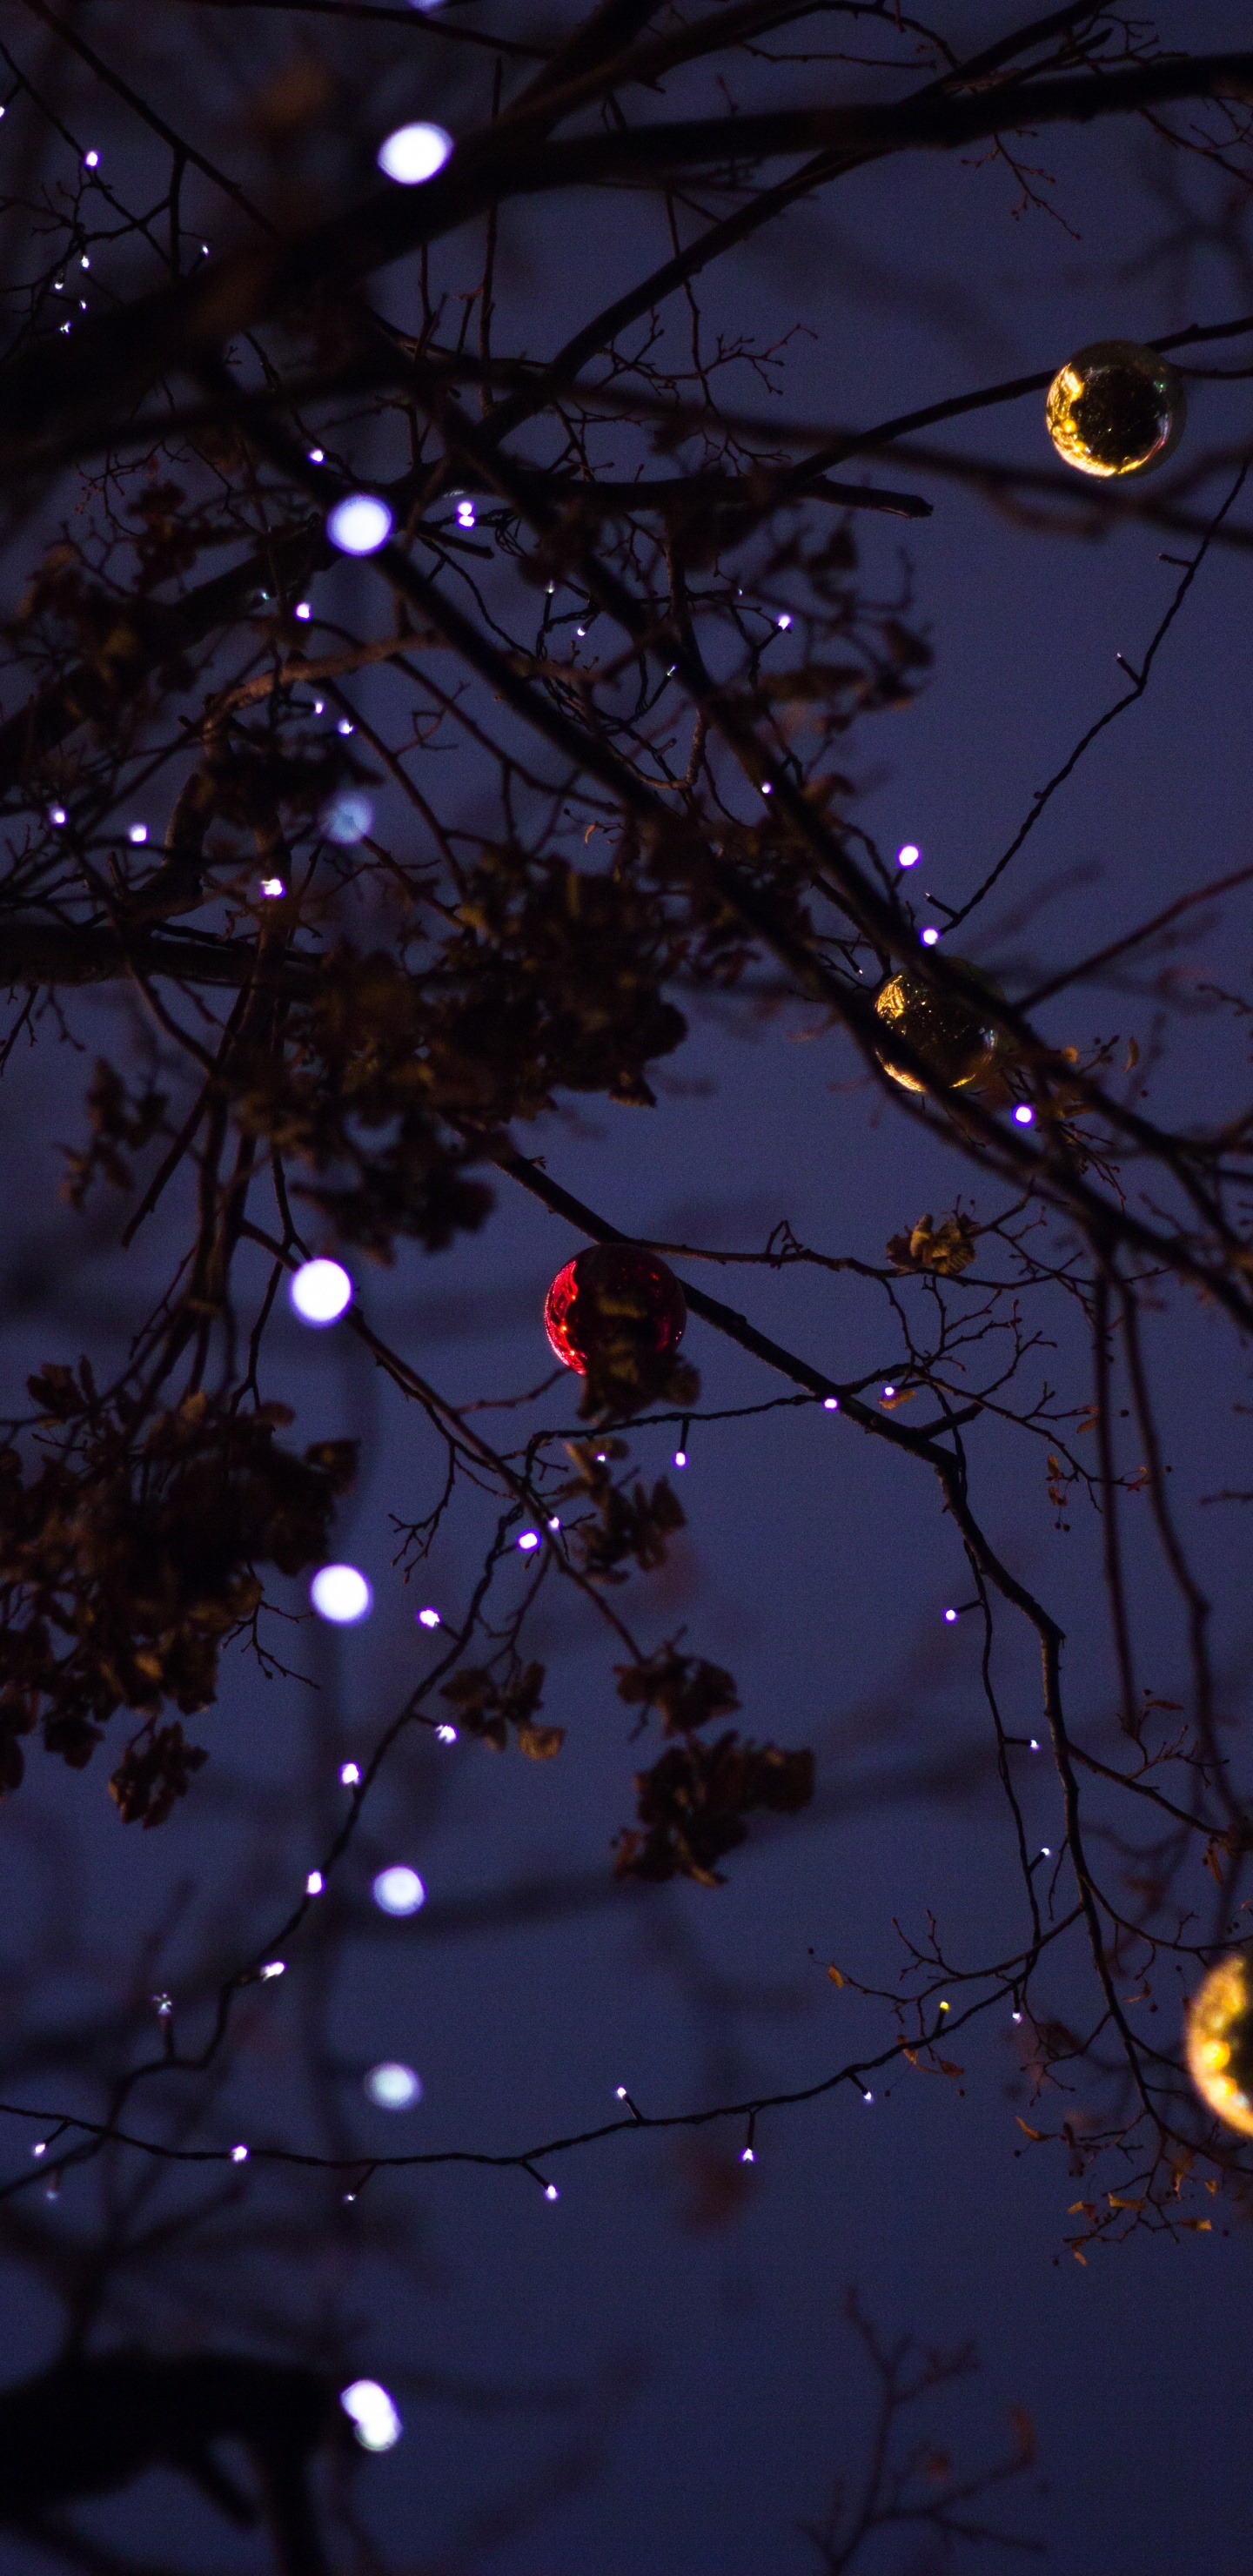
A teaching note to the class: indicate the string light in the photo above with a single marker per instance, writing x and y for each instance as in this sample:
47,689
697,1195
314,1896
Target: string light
392,2086
445,1734
680,1457
350,1774
57,814
930,938
273,1968
40,2148
317,456
302,609
341,1594
428,1618
91,160
465,516
950,1615
239,2155
551,2192
867,2097
320,1292
164,2006
528,1540
359,524
137,832
1035,1744
398,1890
272,888
314,1883
375,2422
783,622
909,855
1023,1115
830,1404
344,726
413,154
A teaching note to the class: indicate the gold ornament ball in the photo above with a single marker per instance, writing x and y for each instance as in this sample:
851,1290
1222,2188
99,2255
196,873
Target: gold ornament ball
953,1042
1220,2042
1116,408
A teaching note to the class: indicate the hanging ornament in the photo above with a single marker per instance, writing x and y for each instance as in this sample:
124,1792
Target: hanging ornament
1220,2042
617,1313
1116,408
947,1032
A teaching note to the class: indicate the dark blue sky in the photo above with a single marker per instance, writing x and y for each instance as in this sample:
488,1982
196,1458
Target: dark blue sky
720,2387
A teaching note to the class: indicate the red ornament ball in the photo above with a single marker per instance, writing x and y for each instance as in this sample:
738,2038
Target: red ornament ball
612,1298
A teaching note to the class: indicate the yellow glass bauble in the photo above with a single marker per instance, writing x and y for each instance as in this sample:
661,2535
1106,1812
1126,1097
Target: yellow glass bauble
953,1042
1220,2042
1116,408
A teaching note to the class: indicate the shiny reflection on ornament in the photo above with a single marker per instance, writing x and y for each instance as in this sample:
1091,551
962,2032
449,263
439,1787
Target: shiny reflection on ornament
1220,2042
1116,408
613,1293
945,1031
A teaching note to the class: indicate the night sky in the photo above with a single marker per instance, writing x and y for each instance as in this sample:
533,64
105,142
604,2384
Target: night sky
656,2372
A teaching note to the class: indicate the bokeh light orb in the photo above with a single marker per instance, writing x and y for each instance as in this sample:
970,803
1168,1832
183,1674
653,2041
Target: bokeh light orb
1220,2042
372,2414
1116,408
398,1890
359,524
393,2087
347,817
320,1292
341,1594
947,1032
610,1294
413,153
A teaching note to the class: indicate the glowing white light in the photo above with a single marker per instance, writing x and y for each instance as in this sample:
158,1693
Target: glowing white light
446,1734
1035,1744
320,1292
302,608
393,2087
783,622
580,631
830,1404
239,2155
465,517
84,261
344,726
341,1594
528,1540
398,1890
314,1883
375,2422
950,1615
319,706
867,2097
272,888
274,1968
1015,2016
57,814
909,856
347,818
1046,1851
888,1393
619,2095
350,1774
767,789
164,2005
748,2156
930,938
413,153
91,160
360,524
41,2148
551,2192
428,1619
1023,1116
317,456
137,832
